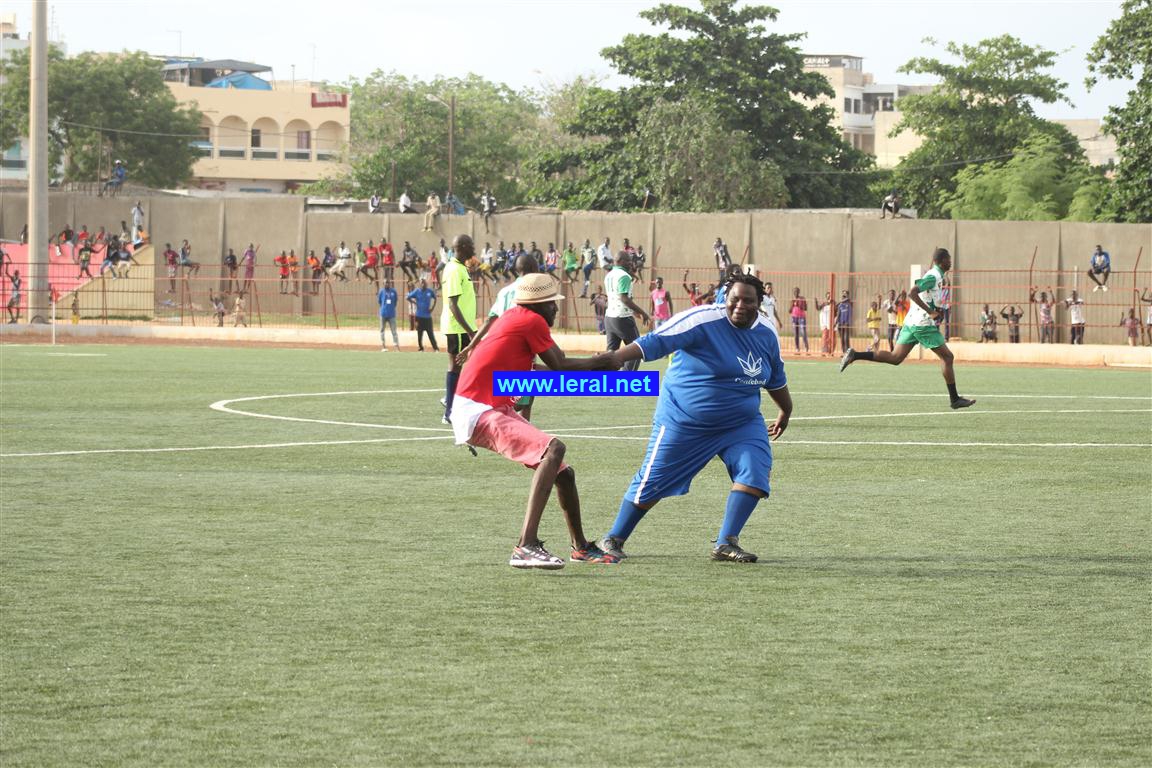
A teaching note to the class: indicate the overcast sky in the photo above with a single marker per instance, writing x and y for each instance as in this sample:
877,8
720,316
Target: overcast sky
531,42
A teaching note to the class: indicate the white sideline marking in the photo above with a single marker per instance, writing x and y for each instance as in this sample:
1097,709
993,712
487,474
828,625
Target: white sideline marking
977,395
75,354
305,444
966,412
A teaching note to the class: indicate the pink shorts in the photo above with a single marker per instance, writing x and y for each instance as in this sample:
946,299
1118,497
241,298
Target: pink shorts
503,431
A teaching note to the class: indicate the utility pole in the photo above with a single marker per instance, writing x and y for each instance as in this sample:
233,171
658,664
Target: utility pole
38,171
451,141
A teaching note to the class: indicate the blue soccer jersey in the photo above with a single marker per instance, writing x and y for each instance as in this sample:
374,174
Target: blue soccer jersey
717,369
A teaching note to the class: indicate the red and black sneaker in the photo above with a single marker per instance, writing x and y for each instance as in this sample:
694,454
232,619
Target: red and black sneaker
590,553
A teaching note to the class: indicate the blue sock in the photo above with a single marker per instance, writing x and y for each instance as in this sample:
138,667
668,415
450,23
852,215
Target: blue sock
626,520
450,380
739,509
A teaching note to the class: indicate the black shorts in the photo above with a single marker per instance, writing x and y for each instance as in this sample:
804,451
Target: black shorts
620,330
457,342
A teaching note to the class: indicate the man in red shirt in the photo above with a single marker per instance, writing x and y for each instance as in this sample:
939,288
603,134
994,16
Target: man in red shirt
387,259
485,420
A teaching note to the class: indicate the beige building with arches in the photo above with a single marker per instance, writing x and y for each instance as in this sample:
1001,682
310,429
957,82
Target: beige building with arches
259,135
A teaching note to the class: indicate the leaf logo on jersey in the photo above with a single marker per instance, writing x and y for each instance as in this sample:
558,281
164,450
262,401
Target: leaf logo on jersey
752,366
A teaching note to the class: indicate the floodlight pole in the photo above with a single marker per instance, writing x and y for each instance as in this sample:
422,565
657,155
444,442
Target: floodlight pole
38,171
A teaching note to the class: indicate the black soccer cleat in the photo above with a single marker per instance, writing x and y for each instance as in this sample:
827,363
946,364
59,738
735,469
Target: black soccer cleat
962,402
846,361
730,551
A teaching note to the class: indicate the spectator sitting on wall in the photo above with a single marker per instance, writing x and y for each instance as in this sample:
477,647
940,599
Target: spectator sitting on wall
891,205
374,203
453,204
405,203
431,210
113,183
1100,266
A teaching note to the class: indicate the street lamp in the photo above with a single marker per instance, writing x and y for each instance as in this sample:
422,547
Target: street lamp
451,105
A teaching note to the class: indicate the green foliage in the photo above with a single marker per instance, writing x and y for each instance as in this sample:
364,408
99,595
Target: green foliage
723,60
1038,183
1123,52
402,121
136,118
980,111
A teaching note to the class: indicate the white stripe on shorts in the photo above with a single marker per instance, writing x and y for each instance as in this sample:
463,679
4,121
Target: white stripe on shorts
648,469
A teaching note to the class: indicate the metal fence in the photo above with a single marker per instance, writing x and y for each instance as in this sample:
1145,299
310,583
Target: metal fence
147,295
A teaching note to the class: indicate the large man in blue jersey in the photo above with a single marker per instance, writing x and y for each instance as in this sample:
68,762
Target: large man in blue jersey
709,405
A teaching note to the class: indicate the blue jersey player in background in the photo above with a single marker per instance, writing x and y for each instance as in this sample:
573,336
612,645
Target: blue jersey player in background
709,405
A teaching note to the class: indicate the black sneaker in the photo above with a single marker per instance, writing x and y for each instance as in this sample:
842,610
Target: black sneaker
730,551
846,361
535,556
962,402
611,545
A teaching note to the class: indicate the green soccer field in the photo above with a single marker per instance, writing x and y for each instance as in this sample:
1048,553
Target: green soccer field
226,556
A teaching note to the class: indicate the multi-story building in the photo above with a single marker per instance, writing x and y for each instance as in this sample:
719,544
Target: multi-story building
867,111
259,135
14,159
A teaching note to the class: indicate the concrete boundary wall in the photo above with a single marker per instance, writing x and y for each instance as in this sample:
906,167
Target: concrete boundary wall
1088,355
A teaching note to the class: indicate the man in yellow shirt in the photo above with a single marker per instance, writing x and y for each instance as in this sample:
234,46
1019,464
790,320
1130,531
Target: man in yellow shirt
458,318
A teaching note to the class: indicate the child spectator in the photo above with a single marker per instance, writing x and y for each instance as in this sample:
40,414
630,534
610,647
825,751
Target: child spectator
873,321
317,268
1075,306
1132,324
599,302
1044,307
551,261
218,308
76,308
844,321
824,308
172,260
902,306
231,264
238,317
186,263
294,268
85,260
1013,319
13,305
281,263
661,304
987,325
892,310
798,311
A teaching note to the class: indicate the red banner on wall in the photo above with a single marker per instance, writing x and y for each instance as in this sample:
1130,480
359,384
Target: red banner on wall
329,99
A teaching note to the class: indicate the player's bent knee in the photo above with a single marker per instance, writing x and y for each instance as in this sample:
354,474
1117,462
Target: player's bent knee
555,451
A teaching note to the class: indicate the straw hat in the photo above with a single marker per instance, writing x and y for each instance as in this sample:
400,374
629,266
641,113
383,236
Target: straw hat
537,289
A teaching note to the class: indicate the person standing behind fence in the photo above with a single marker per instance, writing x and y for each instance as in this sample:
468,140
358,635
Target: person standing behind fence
86,259
723,258
13,305
798,311
281,263
824,308
317,270
1012,317
172,261
588,258
1076,317
1144,297
387,261
1044,308
988,326
844,321
423,301
661,304
218,308
386,299
946,310
1099,268
249,262
231,265
294,268
238,316
872,319
1131,324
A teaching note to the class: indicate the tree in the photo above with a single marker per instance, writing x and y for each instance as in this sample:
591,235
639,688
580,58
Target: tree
1038,183
981,111
103,108
402,123
1124,52
753,85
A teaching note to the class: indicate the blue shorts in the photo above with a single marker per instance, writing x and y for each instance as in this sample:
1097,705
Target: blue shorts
675,457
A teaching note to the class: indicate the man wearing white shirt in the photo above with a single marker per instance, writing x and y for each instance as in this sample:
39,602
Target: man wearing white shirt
604,253
619,321
405,202
1076,317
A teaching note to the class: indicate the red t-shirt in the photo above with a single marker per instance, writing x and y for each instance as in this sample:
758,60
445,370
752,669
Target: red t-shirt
370,255
283,262
511,344
386,254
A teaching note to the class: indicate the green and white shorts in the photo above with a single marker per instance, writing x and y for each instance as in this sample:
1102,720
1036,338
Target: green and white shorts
927,336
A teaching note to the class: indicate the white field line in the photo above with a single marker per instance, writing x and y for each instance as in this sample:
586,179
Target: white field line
977,395
189,449
74,354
